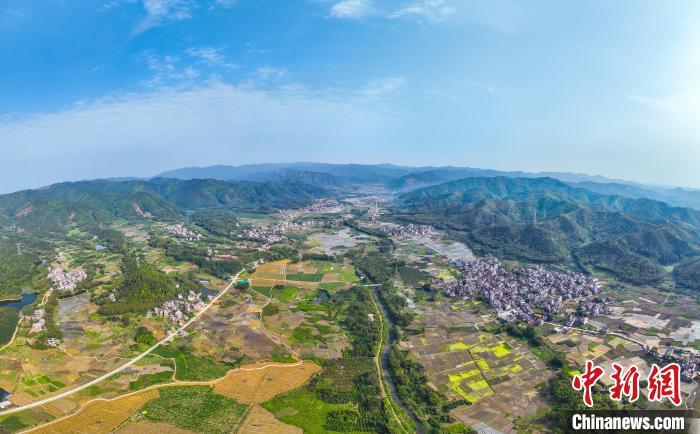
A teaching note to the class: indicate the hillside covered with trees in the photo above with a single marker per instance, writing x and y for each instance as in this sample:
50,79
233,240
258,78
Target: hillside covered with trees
92,202
546,220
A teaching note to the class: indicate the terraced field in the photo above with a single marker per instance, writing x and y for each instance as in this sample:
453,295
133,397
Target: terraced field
100,416
255,386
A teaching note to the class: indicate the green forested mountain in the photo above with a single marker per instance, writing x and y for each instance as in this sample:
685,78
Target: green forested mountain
687,273
542,219
91,202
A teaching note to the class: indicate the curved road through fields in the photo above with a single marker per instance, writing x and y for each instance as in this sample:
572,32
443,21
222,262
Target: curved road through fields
127,364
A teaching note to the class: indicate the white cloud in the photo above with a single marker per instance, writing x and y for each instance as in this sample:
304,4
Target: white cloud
503,16
162,11
224,3
431,10
141,134
168,70
271,73
384,86
211,55
351,9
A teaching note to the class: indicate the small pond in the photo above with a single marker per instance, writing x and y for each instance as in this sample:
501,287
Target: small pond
26,300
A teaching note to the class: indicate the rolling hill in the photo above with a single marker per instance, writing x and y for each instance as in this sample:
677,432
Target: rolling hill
405,178
91,202
546,220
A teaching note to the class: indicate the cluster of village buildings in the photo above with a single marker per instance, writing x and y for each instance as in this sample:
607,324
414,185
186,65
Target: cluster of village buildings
319,206
181,231
274,234
688,359
394,230
597,306
267,234
531,294
38,320
66,281
177,312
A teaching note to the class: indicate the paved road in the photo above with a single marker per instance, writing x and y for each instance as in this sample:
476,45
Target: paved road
595,332
127,364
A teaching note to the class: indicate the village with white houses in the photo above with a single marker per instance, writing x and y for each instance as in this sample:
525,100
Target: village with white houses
177,312
181,231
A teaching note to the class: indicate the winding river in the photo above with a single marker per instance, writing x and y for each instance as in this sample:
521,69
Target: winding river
386,373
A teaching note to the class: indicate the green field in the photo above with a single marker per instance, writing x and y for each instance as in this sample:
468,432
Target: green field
286,294
304,409
195,408
302,335
191,367
281,355
18,421
37,385
264,290
347,274
305,277
144,381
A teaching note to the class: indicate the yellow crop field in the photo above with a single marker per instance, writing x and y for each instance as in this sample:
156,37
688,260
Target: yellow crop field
100,417
254,386
146,427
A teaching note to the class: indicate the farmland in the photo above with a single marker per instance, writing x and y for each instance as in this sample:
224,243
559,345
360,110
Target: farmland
195,408
192,367
345,396
261,421
305,410
251,385
101,416
304,274
291,346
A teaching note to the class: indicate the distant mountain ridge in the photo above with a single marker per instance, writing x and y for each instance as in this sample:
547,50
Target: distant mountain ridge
405,178
358,173
546,220
393,175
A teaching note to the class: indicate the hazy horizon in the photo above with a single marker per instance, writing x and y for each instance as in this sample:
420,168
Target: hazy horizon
543,173
120,88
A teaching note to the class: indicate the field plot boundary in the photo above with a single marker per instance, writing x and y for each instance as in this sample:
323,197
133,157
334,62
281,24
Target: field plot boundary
212,383
130,362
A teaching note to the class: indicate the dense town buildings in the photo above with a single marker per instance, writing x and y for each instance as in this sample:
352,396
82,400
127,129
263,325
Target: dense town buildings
529,294
394,230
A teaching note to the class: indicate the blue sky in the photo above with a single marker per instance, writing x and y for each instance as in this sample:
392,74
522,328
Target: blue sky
98,88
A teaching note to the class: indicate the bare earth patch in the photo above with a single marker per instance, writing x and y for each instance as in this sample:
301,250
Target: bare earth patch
261,421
